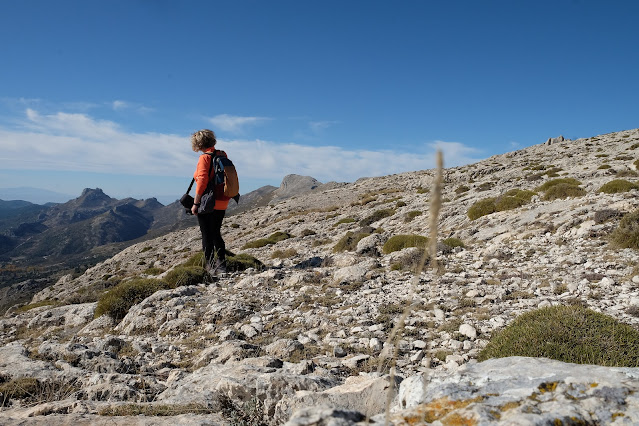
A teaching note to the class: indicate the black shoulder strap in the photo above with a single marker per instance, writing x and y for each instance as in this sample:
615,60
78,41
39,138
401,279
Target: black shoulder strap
191,185
212,154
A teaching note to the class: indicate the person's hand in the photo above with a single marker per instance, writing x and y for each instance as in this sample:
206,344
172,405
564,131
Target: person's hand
194,209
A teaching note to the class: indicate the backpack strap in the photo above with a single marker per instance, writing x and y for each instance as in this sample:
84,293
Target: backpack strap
191,185
210,167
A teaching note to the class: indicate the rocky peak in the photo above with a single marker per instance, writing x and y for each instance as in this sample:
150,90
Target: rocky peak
92,198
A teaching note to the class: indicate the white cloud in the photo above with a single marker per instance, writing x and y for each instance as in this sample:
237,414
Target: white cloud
77,142
317,126
117,105
235,124
120,105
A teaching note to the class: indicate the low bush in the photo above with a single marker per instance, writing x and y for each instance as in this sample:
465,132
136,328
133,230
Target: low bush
284,254
117,301
349,241
411,215
626,173
485,186
185,275
46,302
242,262
196,260
522,194
627,233
482,208
33,391
569,334
153,271
399,242
272,239
561,188
605,215
461,189
453,242
508,203
618,185
344,220
376,215
568,181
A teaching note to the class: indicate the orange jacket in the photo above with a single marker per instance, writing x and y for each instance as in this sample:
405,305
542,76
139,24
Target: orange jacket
201,176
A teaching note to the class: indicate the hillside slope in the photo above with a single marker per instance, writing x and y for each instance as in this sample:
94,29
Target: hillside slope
311,328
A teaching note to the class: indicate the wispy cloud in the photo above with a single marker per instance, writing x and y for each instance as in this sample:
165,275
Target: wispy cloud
78,142
120,105
235,124
317,126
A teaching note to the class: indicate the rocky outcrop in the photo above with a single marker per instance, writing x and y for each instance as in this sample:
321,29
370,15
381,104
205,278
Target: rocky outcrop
306,339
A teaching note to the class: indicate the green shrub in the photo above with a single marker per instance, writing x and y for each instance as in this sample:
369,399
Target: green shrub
46,302
482,208
627,233
485,186
569,334
605,215
604,167
618,185
279,236
153,271
349,241
376,215
399,242
272,239
555,182
453,242
508,203
185,275
345,220
627,173
308,232
522,194
241,262
196,260
411,215
636,163
461,189
117,301
563,190
284,254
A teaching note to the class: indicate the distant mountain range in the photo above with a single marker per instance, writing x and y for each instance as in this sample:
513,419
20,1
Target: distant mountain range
94,225
34,195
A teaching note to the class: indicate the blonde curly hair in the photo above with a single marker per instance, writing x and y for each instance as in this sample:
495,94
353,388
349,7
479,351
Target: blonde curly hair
202,139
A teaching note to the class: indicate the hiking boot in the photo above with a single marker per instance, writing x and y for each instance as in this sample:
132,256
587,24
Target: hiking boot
219,268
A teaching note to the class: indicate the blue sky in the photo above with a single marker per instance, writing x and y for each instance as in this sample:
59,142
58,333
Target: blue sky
106,93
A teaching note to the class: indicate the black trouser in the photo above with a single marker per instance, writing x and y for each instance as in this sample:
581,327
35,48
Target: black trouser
212,242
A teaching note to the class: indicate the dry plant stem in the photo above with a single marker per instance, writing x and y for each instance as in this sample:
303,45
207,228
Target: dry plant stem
435,207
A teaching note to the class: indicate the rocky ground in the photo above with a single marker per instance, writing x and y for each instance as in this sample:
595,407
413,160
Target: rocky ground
305,340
